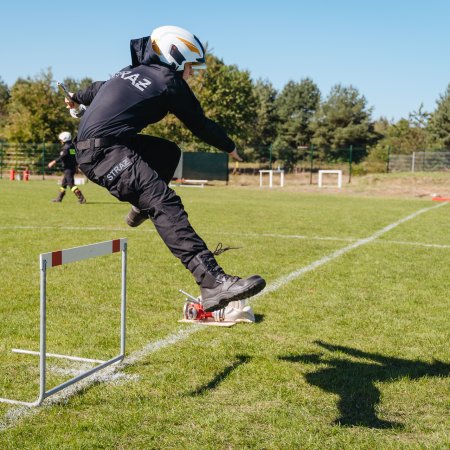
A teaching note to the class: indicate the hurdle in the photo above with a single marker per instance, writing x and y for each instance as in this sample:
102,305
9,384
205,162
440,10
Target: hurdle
57,258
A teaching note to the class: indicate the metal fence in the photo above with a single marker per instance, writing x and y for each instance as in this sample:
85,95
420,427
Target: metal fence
19,157
34,158
420,162
312,159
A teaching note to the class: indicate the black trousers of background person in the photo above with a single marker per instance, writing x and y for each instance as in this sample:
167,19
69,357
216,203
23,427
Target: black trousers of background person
138,170
68,178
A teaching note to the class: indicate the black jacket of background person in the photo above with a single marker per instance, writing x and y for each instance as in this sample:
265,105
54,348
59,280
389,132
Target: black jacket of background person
67,156
141,94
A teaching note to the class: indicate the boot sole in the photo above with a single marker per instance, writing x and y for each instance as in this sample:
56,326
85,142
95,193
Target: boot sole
222,300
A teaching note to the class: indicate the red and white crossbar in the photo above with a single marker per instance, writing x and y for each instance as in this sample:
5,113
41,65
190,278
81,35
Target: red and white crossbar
58,258
69,255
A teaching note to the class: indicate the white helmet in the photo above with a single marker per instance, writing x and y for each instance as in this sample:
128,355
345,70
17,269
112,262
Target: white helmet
65,136
176,46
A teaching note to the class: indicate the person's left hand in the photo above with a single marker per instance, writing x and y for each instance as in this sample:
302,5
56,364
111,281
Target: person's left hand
235,155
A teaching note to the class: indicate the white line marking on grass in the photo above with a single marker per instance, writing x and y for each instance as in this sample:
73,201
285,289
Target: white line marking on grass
110,373
414,244
282,281
57,227
291,236
257,235
75,371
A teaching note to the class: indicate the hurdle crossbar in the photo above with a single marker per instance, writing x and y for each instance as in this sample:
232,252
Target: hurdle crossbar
53,259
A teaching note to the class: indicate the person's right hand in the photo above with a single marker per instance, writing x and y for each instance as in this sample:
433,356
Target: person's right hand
69,104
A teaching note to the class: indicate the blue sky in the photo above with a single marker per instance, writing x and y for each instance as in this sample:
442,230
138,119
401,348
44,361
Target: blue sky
396,53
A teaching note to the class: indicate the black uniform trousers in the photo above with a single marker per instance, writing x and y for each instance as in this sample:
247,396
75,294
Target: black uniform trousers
68,178
138,170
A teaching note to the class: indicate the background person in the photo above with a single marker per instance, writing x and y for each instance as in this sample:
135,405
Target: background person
138,168
69,162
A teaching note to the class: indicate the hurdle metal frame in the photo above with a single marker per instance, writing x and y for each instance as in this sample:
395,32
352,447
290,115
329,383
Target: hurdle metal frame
58,258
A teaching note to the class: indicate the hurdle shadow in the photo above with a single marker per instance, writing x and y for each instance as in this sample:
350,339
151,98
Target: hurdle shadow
221,377
354,382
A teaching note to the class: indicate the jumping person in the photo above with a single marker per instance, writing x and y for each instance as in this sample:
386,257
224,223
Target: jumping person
69,162
138,168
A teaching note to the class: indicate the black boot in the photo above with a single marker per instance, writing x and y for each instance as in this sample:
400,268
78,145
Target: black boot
79,195
217,289
61,195
135,217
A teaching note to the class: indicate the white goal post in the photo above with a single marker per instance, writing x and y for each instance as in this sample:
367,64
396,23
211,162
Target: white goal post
333,172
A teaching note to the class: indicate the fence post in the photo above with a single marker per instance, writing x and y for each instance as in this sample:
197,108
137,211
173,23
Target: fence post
350,157
43,160
413,162
311,152
1,160
388,158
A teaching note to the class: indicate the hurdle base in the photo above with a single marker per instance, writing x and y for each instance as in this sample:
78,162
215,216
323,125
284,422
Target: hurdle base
18,402
60,387
209,322
56,355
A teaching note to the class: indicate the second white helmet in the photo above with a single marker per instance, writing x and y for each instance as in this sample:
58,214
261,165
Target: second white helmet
176,46
65,136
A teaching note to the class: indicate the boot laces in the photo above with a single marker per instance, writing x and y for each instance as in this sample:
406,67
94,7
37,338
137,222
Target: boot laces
224,277
211,265
221,249
214,268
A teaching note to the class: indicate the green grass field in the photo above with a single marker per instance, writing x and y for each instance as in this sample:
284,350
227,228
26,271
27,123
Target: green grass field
350,348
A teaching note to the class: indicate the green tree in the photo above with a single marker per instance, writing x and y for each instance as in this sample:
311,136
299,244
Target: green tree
343,119
440,119
75,85
36,111
402,137
4,99
405,137
295,107
265,128
419,118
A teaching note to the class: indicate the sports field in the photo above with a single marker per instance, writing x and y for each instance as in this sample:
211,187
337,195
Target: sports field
350,348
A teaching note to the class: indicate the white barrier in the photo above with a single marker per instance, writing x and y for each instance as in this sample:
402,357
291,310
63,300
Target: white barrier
271,172
337,172
189,183
58,258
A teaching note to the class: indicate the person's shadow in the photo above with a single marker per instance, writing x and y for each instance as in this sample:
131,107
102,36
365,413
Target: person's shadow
354,382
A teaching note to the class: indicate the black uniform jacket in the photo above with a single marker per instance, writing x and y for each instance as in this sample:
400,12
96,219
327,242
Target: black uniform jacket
67,156
142,94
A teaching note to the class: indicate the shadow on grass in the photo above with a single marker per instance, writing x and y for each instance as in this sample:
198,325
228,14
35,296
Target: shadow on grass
354,381
259,318
222,376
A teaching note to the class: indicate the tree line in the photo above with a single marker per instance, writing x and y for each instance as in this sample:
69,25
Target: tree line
265,123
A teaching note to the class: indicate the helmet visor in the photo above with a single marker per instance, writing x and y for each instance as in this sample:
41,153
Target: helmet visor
198,65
